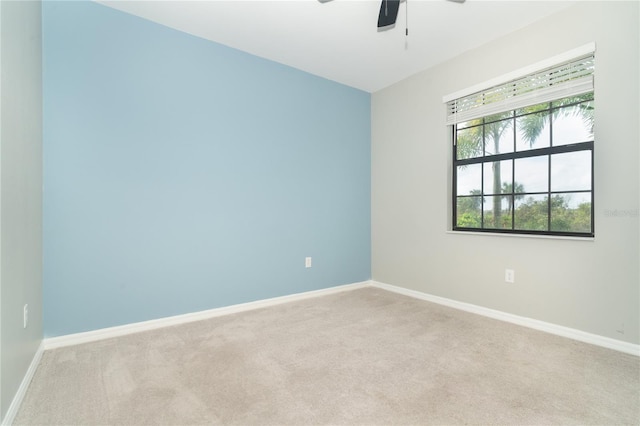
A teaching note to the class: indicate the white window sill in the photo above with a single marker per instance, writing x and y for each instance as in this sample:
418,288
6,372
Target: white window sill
544,237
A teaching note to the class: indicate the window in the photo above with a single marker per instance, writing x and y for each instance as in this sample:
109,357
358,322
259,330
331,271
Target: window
523,154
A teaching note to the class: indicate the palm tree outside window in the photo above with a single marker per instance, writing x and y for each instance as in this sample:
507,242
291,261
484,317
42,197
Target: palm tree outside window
528,170
523,148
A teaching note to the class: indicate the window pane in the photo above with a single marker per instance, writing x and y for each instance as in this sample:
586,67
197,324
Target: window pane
571,171
469,143
498,137
468,213
469,179
573,124
532,173
533,131
497,177
497,213
535,187
531,213
571,212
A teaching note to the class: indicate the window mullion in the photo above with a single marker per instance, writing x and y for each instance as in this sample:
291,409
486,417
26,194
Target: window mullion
513,175
551,111
566,218
549,194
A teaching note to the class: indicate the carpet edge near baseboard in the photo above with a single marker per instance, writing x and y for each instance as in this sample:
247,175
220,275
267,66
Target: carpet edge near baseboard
137,327
16,402
571,333
558,330
78,338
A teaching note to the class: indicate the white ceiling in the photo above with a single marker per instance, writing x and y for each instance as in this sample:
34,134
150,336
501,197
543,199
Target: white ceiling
339,40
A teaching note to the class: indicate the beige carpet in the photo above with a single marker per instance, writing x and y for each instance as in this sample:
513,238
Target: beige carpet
366,357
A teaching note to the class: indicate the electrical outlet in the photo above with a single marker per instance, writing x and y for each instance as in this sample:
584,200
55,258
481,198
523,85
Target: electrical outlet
509,276
25,316
307,262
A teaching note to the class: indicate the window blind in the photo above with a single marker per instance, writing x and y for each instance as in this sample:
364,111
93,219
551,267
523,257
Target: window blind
569,78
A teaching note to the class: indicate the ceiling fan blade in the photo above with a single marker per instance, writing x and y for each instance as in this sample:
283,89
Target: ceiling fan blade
388,13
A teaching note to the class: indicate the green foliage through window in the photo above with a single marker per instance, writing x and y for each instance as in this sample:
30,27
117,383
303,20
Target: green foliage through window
528,170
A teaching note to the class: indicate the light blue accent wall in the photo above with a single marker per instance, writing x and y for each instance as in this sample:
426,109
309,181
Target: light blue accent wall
181,175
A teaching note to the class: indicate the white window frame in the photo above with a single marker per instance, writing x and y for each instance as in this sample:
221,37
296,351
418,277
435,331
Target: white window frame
568,74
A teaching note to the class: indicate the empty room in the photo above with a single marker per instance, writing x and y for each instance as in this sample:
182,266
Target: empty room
319,212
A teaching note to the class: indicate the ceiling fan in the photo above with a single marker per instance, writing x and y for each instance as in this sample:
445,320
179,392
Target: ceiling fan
389,12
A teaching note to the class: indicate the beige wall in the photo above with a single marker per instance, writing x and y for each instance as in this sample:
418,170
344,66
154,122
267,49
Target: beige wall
586,285
21,191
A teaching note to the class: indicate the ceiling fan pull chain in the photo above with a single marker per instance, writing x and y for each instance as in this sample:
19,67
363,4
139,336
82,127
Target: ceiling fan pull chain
406,18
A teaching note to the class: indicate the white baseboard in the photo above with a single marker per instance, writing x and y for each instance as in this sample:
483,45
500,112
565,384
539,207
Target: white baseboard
571,333
24,385
106,333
